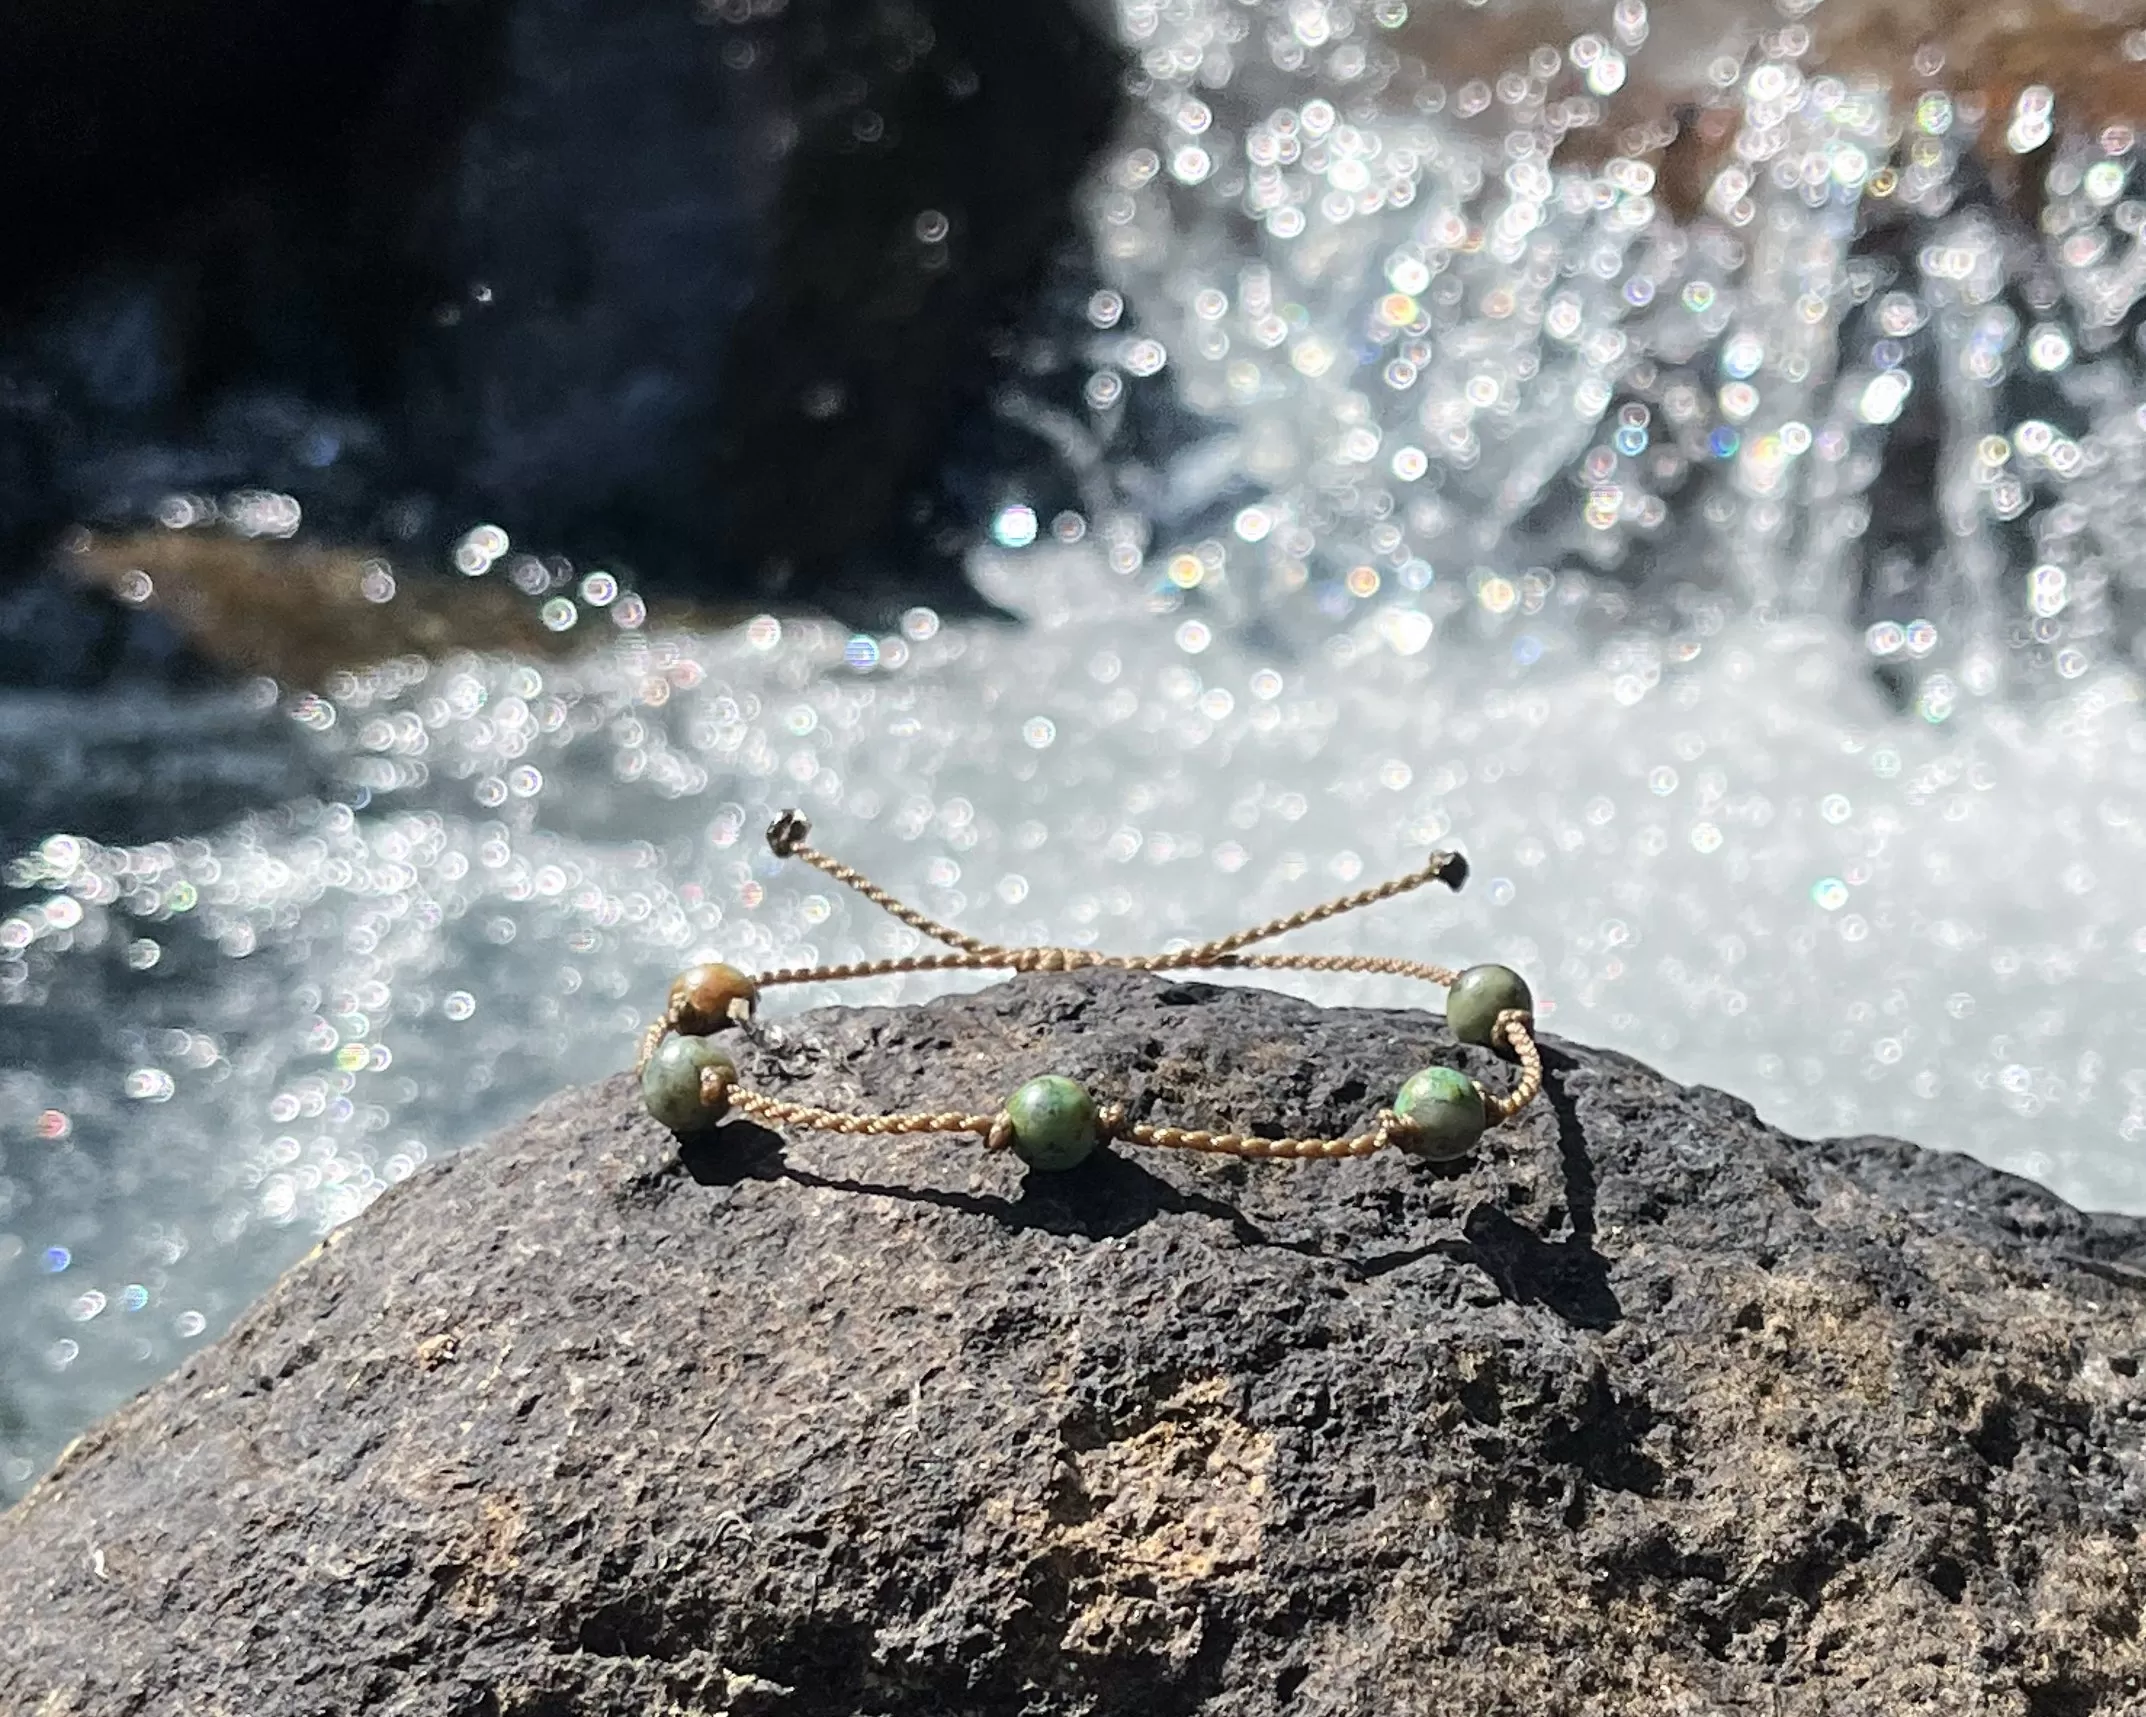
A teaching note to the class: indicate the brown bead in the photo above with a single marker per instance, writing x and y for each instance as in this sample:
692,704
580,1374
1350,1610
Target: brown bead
708,998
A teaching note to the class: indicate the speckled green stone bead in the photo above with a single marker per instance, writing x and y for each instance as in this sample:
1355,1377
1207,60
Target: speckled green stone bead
1448,1113
1053,1122
670,1083
1479,995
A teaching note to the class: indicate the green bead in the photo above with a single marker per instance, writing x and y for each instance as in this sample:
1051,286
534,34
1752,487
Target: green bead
1053,1122
1447,1110
1479,995
670,1083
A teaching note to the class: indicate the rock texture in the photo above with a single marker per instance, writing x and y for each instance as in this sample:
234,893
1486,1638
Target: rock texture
1648,1409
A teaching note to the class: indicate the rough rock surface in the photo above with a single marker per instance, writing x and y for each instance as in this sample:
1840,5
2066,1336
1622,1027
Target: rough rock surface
1648,1409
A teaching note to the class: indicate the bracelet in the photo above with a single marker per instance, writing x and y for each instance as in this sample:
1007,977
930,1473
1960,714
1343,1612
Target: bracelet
1052,1122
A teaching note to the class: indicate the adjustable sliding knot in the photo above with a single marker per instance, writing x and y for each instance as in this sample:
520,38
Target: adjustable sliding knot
715,1083
1052,959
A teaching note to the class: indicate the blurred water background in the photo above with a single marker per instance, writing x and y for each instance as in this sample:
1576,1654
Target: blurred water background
1735,546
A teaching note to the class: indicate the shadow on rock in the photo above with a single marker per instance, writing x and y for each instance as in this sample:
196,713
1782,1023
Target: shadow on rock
739,1150
1568,1276
1107,1198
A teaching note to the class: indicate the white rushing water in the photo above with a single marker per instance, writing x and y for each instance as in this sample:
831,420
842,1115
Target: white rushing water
1526,521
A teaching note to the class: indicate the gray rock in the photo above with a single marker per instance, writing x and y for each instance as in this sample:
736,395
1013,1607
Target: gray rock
1649,1408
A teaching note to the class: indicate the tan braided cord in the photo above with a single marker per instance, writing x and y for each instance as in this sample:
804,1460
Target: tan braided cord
1437,868
779,1112
787,837
1389,1131
1513,1027
879,969
1378,965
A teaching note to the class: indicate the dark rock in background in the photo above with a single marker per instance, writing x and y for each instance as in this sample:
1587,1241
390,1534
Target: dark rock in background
705,289
1651,1408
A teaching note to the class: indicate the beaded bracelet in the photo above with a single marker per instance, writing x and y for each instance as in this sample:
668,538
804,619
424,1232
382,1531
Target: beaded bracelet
1053,1122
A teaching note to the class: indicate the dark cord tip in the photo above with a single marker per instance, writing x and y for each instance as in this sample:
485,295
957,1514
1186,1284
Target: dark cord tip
1452,870
787,833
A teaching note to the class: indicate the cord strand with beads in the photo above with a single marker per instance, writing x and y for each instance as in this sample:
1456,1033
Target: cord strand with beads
787,838
1512,1028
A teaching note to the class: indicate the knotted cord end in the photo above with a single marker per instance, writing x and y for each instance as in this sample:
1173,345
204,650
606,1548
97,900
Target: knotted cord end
787,833
1450,869
715,1084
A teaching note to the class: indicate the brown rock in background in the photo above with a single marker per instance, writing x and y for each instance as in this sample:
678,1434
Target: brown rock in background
2089,57
298,612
